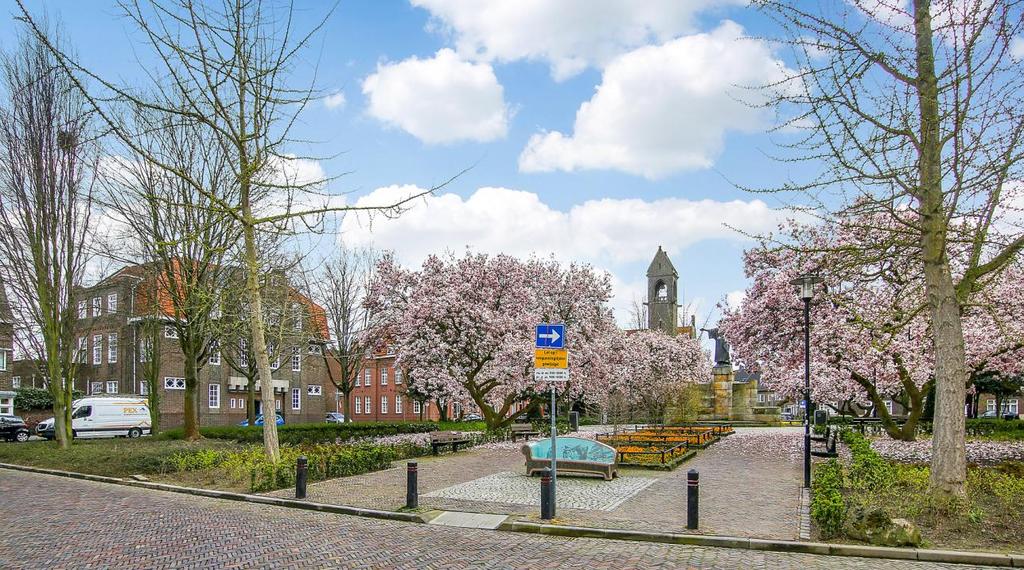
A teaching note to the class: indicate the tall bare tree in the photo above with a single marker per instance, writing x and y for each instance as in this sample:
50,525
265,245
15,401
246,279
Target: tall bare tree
231,62
46,182
916,112
183,234
339,287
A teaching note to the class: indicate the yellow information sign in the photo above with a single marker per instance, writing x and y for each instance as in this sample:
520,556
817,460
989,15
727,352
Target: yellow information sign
550,358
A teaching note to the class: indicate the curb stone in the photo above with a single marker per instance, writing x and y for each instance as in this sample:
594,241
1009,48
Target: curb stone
511,525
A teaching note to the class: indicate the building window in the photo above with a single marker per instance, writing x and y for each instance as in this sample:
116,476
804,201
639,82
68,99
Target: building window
143,388
170,331
456,409
277,405
359,405
366,377
398,403
1010,407
888,406
83,350
276,363
398,376
112,303
296,398
214,355
416,407
367,405
3,360
231,403
112,348
243,353
296,359
97,306
95,387
214,395
762,398
384,377
97,349
112,387
145,349
83,309
314,390
383,404
172,383
315,349
16,382
297,311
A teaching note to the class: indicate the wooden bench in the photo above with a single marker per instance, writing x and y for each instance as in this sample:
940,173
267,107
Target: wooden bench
575,455
524,430
452,438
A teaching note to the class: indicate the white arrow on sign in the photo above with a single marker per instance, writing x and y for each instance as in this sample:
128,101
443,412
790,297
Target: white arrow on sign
553,336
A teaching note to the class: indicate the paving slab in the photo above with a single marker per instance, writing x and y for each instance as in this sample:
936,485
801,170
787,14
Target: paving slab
468,520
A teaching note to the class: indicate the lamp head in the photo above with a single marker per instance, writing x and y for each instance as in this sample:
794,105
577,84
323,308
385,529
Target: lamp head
805,285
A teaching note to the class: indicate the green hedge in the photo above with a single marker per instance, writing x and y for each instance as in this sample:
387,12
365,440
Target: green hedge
828,510
988,427
36,398
296,434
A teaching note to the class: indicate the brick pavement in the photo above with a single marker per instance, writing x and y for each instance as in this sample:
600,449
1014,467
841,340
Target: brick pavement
67,523
750,486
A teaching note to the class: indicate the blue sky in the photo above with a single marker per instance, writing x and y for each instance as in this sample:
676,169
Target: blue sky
596,129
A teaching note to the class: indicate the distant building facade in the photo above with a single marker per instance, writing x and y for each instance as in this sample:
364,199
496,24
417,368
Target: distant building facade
380,394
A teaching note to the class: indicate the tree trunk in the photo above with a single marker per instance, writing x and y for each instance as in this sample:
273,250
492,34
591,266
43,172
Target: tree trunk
949,461
154,406
250,408
191,407
346,406
442,411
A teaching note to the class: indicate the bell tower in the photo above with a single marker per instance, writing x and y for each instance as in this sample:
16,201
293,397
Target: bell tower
662,294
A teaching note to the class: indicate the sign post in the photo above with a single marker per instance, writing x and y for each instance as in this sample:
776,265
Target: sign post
551,364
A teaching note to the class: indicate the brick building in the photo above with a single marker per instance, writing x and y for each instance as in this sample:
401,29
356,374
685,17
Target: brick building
111,315
379,394
6,354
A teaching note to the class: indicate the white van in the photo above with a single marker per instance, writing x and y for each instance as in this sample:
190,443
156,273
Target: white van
109,416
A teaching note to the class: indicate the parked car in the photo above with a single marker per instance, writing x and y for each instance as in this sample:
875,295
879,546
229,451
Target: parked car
13,428
334,418
787,416
259,420
108,416
473,417
988,414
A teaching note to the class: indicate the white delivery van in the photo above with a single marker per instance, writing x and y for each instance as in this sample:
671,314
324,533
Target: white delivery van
109,416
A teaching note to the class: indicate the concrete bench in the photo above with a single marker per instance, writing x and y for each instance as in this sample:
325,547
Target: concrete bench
452,438
575,455
523,430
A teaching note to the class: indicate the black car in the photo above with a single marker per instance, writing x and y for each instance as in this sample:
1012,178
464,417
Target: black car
13,428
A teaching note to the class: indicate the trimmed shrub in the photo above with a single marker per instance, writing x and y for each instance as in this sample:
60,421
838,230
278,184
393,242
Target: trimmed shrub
296,434
28,398
987,427
828,509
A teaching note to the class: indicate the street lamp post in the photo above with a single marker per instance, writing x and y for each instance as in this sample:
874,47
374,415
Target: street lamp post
805,289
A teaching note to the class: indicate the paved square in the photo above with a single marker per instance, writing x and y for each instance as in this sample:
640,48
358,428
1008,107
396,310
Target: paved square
573,492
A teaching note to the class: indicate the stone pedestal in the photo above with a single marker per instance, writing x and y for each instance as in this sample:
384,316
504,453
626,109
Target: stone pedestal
721,387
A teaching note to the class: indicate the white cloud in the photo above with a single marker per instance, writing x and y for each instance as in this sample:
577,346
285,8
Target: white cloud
735,298
663,109
335,101
439,100
1017,48
609,233
570,35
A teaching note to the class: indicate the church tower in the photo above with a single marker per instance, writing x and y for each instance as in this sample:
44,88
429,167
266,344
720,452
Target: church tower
662,294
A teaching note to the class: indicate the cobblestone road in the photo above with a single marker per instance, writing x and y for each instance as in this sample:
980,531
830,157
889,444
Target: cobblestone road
52,522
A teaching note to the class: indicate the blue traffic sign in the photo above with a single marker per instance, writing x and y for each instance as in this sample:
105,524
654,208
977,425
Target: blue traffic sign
550,336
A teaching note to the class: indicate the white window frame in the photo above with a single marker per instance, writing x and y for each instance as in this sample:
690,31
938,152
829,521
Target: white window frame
112,303
417,407
366,377
174,383
15,382
113,384
143,388
170,331
83,310
296,399
95,387
456,409
762,398
97,306
214,399
314,390
231,403
398,376
359,405
83,350
383,405
97,349
112,348
4,357
243,352
315,348
277,405
888,406
990,405
214,359
1011,406
398,404
367,405
383,376
296,359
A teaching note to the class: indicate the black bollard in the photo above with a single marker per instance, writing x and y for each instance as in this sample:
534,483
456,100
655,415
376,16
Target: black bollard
692,498
412,494
574,421
301,473
547,506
